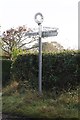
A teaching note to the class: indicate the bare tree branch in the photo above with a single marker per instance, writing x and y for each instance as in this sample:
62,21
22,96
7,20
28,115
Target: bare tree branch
32,47
22,45
5,50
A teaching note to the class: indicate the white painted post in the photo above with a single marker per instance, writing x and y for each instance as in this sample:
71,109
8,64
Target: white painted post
40,49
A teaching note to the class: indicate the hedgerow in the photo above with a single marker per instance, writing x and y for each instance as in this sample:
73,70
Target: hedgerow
60,70
6,68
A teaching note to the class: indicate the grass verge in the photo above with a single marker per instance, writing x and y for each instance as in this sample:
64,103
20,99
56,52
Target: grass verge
30,104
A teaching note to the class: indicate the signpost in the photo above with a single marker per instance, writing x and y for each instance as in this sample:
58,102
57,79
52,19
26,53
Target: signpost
39,21
41,33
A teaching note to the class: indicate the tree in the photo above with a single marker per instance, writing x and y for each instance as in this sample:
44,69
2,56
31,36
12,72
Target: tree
14,39
49,47
58,46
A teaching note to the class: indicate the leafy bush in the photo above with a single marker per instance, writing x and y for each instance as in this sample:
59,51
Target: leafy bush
25,67
6,65
16,52
60,70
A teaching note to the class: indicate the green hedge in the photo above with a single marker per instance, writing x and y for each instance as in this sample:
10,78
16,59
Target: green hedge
60,70
4,57
6,66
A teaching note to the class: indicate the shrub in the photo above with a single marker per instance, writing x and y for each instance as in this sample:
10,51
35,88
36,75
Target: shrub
25,67
60,70
6,65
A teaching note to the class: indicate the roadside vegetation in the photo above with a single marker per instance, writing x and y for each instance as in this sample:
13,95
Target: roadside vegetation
61,86
49,105
60,77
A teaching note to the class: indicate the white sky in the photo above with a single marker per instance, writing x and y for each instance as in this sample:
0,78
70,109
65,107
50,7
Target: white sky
62,14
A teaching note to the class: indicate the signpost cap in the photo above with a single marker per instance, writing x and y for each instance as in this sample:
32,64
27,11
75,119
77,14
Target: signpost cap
38,18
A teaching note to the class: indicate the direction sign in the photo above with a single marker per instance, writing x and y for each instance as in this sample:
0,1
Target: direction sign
46,33
49,33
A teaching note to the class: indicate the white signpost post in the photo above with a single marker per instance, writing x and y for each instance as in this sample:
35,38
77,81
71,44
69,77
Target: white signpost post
39,20
41,33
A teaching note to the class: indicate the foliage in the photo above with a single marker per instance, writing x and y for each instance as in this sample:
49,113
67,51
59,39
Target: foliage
26,67
49,47
60,70
57,45
31,105
0,47
16,52
15,39
6,66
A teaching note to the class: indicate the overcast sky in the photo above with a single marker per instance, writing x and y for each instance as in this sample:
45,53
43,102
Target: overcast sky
62,14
